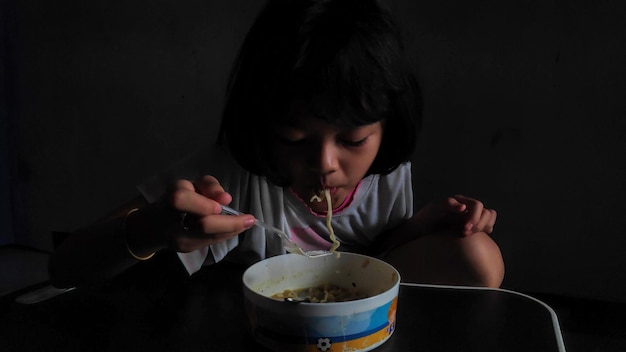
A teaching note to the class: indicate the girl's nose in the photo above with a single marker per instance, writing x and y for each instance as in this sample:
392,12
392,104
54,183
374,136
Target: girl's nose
326,159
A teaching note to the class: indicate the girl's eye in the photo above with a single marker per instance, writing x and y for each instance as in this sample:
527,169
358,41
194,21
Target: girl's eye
354,143
290,141
290,136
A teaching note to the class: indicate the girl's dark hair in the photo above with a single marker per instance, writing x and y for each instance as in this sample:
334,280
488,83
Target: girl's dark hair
342,59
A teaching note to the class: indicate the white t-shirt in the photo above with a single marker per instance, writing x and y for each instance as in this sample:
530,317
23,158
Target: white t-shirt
379,204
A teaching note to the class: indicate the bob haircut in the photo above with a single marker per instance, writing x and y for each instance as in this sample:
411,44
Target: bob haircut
342,59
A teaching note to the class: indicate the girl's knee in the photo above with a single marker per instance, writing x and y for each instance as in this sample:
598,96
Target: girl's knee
483,258
475,260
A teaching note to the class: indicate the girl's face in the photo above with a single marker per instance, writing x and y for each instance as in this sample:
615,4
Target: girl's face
315,155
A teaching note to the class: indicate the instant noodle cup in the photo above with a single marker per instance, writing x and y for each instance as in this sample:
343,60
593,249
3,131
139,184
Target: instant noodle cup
356,325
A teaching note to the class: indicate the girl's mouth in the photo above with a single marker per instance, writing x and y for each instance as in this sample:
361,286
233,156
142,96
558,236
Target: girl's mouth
321,195
332,190
322,191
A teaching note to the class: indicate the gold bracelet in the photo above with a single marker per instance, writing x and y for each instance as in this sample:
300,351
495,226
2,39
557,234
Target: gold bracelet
126,234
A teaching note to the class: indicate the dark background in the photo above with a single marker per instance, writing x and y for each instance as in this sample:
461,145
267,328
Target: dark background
524,109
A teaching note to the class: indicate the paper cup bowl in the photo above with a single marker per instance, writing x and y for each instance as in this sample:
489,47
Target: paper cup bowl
358,325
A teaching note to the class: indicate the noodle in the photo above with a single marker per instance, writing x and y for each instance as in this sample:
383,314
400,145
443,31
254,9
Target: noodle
327,292
315,198
329,217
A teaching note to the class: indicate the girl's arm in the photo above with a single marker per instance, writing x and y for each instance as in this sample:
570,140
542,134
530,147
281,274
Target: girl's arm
99,252
447,242
185,219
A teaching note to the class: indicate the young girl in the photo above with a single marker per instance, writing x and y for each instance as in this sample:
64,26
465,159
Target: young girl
321,99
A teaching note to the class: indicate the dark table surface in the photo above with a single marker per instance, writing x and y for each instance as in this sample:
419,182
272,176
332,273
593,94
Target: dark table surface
155,306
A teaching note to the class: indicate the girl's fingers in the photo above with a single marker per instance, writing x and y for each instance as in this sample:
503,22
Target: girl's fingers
184,184
453,203
211,229
477,217
473,212
202,197
458,212
492,221
201,215
196,219
210,187
196,232
189,201
225,224
486,222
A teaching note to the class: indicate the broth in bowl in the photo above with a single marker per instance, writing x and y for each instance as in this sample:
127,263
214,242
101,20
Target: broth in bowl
326,293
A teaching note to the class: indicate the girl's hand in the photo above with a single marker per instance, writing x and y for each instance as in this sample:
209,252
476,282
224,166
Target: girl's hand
192,210
459,214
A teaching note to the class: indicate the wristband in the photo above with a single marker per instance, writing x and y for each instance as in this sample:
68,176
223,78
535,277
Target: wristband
130,251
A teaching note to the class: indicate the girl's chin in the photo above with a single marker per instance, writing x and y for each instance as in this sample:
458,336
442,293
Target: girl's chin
317,209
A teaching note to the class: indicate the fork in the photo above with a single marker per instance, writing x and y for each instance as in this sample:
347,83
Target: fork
289,245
